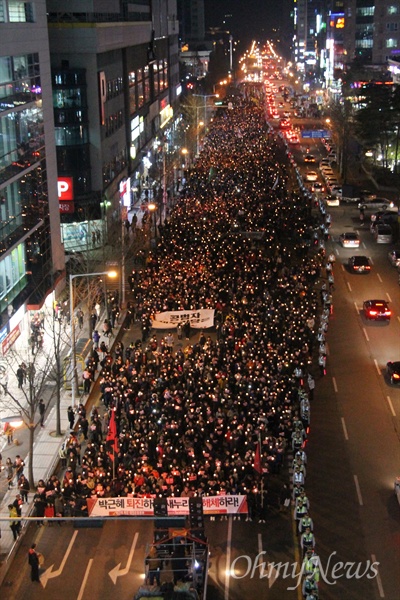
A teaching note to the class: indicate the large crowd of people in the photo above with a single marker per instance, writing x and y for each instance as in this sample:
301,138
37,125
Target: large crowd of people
237,242
189,417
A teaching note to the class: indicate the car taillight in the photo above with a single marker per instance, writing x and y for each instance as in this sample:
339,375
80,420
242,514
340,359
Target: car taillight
373,312
388,313
396,376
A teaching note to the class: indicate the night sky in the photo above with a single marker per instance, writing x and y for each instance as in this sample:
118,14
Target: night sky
251,19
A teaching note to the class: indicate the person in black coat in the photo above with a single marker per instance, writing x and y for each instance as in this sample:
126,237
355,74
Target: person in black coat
33,559
71,417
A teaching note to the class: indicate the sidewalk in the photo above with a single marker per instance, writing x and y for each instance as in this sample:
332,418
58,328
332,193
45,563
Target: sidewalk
47,444
46,451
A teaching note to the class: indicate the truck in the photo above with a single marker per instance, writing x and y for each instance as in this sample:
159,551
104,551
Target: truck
350,194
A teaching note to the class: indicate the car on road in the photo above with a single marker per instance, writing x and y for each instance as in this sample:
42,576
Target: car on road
393,371
332,200
385,216
376,204
317,187
394,258
383,234
336,190
359,264
349,240
309,158
311,176
331,181
324,163
377,310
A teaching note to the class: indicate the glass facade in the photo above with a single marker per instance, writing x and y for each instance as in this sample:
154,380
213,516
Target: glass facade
25,249
72,130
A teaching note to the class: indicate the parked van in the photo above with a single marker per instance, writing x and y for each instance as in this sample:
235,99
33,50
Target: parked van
383,234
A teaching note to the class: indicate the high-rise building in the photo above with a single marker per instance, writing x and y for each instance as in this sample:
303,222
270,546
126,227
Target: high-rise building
115,78
31,255
87,96
372,31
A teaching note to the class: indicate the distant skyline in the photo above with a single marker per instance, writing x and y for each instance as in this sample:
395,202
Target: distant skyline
251,19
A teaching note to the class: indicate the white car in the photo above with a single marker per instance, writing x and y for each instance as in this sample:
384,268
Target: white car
349,240
383,234
328,173
336,190
377,204
332,200
311,176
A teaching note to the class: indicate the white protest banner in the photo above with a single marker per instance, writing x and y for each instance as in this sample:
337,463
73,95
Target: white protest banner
201,318
142,507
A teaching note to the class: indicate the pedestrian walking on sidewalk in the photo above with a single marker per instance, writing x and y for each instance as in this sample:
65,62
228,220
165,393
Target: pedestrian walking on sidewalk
9,472
71,417
14,525
93,320
18,466
33,559
96,338
24,487
80,315
42,410
20,376
9,433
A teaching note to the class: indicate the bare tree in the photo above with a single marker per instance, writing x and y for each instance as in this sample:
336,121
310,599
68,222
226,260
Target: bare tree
36,365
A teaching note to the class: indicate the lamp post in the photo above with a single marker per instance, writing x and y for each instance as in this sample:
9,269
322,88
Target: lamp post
205,106
72,322
153,210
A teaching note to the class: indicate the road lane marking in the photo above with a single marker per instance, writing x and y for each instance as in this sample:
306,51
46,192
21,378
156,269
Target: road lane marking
49,573
327,349
357,309
388,297
360,500
349,286
371,260
81,591
334,384
377,366
116,571
378,578
366,334
346,435
391,406
228,559
379,277
337,251
364,246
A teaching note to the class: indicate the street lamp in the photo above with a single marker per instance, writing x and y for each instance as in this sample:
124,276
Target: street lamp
204,106
153,208
111,274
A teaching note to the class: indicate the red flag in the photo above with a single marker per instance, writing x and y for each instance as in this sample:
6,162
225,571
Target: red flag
112,437
257,459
